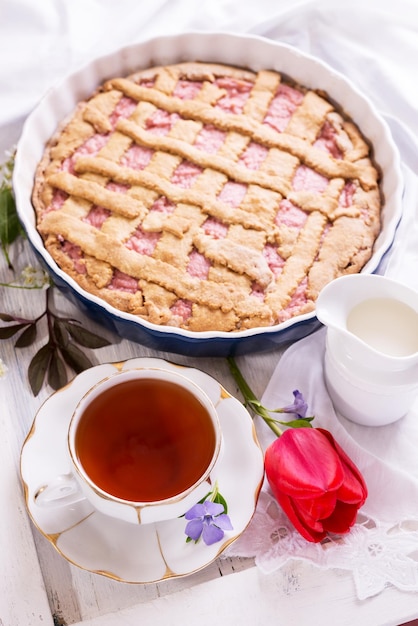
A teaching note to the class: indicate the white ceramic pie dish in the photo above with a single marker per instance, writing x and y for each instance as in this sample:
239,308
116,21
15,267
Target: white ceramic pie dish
247,51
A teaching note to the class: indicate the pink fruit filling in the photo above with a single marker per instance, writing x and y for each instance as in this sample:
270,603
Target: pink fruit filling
58,199
296,303
257,291
282,107
182,309
187,89
232,193
122,282
143,242
185,174
146,82
347,194
214,228
124,108
327,140
89,148
210,139
324,234
97,216
275,263
306,179
136,157
163,205
75,253
273,258
290,215
161,122
198,266
253,156
237,92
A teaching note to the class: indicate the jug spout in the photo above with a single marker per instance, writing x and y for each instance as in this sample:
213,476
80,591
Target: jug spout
334,303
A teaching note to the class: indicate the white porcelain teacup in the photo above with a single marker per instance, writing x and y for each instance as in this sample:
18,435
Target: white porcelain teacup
142,445
371,357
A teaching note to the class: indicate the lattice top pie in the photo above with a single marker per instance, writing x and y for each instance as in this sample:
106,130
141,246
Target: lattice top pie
208,197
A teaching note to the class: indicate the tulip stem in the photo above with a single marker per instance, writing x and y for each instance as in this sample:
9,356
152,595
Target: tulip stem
250,399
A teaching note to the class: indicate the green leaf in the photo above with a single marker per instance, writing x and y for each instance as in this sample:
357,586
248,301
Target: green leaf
5,317
9,331
206,497
85,337
57,373
75,358
38,367
27,337
221,500
60,333
301,423
10,227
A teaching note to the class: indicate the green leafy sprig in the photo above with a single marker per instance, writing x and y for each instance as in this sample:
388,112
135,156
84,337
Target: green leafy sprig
10,227
251,402
60,351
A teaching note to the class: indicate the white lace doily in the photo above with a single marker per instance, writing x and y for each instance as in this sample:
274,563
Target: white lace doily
377,555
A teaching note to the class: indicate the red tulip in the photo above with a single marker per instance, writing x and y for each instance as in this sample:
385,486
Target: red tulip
315,482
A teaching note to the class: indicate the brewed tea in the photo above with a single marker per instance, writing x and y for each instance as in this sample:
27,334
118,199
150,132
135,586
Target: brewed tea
145,440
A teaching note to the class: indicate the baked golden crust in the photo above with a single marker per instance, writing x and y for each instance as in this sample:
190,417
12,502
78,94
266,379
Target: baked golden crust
207,197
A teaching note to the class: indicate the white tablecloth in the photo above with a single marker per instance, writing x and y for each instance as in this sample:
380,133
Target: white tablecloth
374,43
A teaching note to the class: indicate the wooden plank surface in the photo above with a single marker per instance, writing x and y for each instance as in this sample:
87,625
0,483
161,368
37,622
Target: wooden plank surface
23,598
297,595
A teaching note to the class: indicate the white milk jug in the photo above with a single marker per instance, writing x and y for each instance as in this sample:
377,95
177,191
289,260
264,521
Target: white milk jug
371,356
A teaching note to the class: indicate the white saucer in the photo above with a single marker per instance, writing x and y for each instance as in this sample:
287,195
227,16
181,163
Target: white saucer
120,550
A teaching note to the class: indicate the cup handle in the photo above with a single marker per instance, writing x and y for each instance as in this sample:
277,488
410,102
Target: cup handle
61,491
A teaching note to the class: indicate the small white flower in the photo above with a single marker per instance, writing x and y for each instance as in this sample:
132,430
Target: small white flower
34,278
6,168
3,368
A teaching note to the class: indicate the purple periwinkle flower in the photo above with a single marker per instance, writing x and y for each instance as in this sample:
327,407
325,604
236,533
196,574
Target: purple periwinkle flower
207,520
299,406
